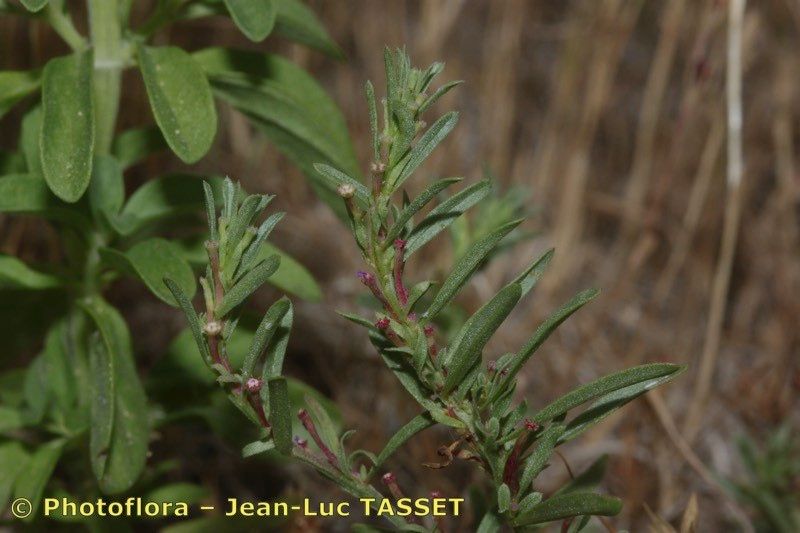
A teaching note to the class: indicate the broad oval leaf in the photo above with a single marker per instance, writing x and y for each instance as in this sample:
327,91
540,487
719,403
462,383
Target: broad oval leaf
162,198
27,194
569,505
14,274
180,97
134,145
67,136
297,22
151,261
255,18
118,464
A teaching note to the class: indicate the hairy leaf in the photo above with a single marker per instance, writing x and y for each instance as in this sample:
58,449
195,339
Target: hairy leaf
38,470
537,460
418,203
465,352
423,148
14,86
567,506
255,18
118,463
466,267
165,197
280,415
13,461
181,100
297,22
264,333
151,261
106,190
26,194
415,425
34,5
605,385
132,146
444,214
14,274
67,136
542,333
248,284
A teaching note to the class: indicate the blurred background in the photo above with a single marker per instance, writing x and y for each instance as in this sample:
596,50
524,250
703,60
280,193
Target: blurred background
606,120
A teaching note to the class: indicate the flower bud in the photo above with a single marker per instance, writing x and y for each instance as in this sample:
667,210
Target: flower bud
213,328
346,190
253,385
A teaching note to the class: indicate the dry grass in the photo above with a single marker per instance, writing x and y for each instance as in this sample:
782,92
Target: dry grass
613,114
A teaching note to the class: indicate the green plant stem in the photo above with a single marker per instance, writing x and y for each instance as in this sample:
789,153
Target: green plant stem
62,24
109,59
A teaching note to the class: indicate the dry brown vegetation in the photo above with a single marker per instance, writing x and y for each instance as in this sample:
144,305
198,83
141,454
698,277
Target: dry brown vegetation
613,114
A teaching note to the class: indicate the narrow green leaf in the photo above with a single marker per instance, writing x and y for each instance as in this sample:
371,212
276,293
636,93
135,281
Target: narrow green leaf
567,506
32,482
67,136
181,100
34,5
151,261
543,332
444,214
276,348
531,275
334,178
106,189
132,146
609,403
369,92
490,523
466,350
280,415
13,461
298,23
441,91
10,419
326,428
101,364
415,425
255,448
605,385
537,460
119,465
163,198
424,146
255,18
588,479
418,203
503,498
14,274
211,211
466,267
191,316
14,86
264,333
248,284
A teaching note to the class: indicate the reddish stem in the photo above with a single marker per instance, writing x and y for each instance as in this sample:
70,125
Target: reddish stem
312,430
